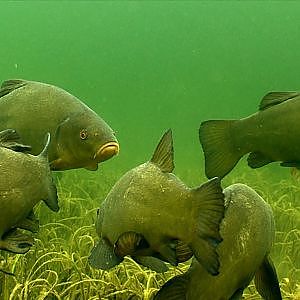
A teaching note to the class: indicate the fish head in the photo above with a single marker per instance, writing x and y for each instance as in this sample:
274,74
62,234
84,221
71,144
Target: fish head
83,141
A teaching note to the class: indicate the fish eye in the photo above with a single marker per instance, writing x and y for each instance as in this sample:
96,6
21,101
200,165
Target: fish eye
83,134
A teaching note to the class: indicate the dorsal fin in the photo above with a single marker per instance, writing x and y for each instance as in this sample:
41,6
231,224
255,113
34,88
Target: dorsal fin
44,153
11,85
274,98
163,155
9,139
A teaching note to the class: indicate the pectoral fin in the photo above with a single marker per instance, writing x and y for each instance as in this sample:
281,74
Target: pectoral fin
52,198
16,242
92,167
238,295
183,251
153,263
9,139
266,281
257,160
128,243
173,289
103,256
30,223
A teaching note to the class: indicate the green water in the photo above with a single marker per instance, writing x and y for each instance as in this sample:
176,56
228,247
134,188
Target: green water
146,66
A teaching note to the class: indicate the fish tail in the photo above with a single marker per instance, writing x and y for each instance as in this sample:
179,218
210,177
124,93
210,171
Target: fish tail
220,153
207,217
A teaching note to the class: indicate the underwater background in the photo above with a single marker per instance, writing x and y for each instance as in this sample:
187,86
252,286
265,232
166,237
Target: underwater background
146,66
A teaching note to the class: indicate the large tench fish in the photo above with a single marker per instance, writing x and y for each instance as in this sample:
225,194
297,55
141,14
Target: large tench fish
272,134
248,233
24,181
151,213
80,138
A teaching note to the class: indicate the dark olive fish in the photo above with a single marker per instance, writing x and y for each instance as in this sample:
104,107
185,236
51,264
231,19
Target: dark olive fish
270,135
151,213
248,232
24,181
80,138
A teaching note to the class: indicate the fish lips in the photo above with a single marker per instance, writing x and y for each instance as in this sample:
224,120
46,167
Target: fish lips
106,151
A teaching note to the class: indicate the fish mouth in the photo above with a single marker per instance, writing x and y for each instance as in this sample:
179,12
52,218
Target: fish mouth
107,151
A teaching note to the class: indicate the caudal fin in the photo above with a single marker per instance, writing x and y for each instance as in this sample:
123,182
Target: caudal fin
219,151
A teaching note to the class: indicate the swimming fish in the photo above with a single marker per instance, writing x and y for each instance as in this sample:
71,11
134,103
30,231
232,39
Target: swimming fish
151,213
248,232
80,138
24,181
270,135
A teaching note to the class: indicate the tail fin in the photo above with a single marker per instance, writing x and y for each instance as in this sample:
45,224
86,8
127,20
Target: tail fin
220,154
209,200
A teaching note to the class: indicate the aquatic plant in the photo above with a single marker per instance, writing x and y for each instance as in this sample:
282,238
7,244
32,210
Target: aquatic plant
56,267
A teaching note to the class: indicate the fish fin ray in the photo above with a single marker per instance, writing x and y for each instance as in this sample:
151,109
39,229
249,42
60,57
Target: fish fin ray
183,251
9,139
152,263
103,257
219,152
274,98
291,164
52,197
173,289
238,295
209,200
16,242
163,155
128,243
10,85
30,223
257,160
266,281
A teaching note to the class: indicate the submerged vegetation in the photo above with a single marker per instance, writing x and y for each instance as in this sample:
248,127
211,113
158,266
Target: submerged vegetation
57,267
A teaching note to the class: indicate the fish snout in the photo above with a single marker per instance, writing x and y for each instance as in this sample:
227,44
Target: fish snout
107,151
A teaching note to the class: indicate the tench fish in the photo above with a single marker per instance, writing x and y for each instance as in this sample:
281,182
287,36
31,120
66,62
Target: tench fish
24,181
80,138
151,213
248,233
270,135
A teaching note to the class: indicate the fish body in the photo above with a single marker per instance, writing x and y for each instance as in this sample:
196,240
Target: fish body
80,138
149,210
25,179
270,135
248,232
